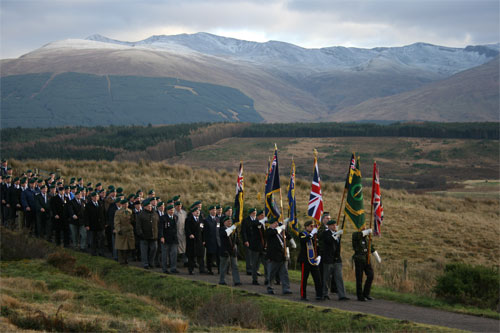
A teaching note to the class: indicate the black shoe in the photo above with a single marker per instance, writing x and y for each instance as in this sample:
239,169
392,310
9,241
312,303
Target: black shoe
255,283
266,282
258,274
249,273
278,283
304,299
210,273
319,298
175,272
186,264
270,292
146,267
361,299
223,283
190,273
326,297
237,284
288,292
166,272
369,298
344,299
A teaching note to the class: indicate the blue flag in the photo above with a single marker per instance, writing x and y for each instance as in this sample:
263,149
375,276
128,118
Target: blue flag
292,207
273,186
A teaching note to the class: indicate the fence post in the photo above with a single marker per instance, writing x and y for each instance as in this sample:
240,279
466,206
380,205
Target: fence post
405,270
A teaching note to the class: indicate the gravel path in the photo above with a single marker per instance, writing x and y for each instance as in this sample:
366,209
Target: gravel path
379,307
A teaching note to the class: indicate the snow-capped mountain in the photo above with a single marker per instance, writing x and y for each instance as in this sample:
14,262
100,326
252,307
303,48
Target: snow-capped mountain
282,81
433,58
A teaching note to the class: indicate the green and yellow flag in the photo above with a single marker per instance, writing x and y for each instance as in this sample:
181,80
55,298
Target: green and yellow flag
354,208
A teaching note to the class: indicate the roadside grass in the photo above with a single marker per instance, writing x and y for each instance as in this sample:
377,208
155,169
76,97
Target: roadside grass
189,296
37,296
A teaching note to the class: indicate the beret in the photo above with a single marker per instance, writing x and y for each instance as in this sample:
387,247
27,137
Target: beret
146,202
159,204
332,221
224,219
211,207
169,207
308,223
124,201
177,203
227,208
251,210
260,212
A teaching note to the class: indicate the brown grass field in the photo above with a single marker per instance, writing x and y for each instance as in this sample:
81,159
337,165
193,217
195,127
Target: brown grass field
427,230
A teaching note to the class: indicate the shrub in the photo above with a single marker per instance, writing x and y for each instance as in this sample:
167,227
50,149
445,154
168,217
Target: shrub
62,260
17,246
223,310
470,285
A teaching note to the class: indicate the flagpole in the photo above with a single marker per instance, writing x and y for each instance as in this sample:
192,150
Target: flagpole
371,214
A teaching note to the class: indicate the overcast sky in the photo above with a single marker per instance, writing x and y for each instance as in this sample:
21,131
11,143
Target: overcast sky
29,24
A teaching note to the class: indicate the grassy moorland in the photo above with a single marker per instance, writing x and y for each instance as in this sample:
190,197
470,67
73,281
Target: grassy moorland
428,231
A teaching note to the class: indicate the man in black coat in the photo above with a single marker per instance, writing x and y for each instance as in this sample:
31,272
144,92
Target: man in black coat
147,230
59,217
228,251
167,232
4,197
210,239
28,203
76,208
256,242
95,222
194,240
110,225
14,202
332,262
276,257
43,213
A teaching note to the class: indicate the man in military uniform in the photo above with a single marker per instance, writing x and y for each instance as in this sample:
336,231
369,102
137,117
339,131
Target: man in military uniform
168,238
361,264
332,262
309,260
194,240
14,202
147,231
276,257
228,251
28,203
59,218
124,232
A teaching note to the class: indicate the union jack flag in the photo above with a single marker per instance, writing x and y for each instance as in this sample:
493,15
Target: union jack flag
238,199
315,209
378,208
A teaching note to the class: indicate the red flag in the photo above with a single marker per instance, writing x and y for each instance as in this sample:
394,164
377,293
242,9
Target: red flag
378,208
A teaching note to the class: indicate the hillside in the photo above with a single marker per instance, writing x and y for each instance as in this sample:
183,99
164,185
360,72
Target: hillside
52,100
472,95
285,82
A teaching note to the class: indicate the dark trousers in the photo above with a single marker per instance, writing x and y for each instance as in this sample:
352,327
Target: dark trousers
211,257
61,228
199,260
43,223
30,219
360,267
307,268
123,256
97,242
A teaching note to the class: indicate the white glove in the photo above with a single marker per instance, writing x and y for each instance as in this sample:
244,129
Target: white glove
366,232
263,221
230,230
281,228
287,253
318,259
314,231
293,244
338,233
286,220
377,257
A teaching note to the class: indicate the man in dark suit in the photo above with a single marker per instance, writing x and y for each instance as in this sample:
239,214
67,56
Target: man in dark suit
168,238
43,213
28,203
6,183
309,260
256,242
276,257
14,202
228,251
210,239
194,240
95,223
59,217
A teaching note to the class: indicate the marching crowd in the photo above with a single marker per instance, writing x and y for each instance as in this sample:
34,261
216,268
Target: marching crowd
141,227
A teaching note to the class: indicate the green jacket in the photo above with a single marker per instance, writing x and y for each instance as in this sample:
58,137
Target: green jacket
360,246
